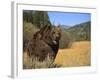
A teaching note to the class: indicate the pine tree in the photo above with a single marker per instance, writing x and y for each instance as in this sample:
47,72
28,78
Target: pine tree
41,19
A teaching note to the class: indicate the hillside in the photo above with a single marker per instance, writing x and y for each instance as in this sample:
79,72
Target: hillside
81,31
65,27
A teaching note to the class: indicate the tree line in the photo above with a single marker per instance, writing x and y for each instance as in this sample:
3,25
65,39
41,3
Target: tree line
37,18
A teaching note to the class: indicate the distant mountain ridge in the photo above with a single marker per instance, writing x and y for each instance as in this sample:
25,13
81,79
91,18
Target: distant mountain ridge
65,27
80,31
80,25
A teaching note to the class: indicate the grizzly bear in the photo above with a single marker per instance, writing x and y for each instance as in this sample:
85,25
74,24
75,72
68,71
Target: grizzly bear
44,43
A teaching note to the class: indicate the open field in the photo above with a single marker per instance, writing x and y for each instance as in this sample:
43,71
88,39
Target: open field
77,55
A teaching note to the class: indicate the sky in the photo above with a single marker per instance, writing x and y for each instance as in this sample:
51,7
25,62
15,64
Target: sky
68,18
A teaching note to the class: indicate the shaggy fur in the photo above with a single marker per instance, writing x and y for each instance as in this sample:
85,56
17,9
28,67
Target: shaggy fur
44,43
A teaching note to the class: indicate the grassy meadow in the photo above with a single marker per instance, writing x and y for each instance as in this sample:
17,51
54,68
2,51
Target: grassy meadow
75,56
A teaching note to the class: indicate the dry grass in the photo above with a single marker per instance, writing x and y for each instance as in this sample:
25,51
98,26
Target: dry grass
77,55
28,63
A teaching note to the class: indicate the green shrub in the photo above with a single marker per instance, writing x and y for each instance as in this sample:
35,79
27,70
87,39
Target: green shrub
28,30
66,40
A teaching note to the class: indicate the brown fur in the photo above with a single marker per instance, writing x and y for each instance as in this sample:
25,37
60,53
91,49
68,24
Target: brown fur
44,43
